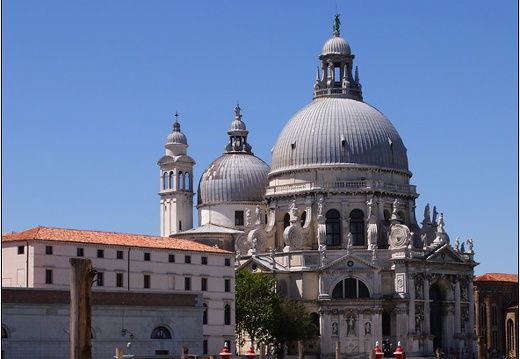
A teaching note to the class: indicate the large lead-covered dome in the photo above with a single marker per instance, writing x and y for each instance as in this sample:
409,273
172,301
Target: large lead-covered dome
334,130
338,128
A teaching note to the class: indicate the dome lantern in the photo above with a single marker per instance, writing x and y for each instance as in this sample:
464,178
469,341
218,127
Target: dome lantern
238,135
336,69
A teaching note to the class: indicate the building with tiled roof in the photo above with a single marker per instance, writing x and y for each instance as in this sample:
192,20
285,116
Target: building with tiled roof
143,283
496,322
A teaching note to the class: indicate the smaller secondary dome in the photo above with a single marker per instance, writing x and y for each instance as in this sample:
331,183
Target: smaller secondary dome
233,177
336,45
237,175
176,136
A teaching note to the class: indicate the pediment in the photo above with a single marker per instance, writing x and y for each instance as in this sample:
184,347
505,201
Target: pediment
259,264
445,254
349,262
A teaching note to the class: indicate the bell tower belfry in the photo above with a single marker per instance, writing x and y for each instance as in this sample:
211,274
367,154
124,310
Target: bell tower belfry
176,181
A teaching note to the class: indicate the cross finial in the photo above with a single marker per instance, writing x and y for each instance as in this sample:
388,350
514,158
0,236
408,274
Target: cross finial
176,125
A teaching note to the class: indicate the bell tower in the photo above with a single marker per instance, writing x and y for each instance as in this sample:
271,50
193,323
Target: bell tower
176,184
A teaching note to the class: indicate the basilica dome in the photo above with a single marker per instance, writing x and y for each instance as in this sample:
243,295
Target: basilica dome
237,175
233,177
333,130
338,128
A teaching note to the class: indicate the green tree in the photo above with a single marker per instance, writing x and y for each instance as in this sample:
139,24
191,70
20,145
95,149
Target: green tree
255,299
291,323
262,314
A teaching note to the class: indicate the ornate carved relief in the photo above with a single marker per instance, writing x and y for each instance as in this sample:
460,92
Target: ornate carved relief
399,236
293,237
257,241
242,245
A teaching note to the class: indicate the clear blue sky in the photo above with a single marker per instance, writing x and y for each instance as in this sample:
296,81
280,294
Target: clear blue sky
90,89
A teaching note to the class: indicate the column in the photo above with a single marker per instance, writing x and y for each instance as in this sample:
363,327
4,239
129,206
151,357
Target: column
411,304
426,295
457,306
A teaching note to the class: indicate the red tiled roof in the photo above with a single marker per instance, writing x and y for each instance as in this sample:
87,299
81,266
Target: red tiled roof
497,277
110,238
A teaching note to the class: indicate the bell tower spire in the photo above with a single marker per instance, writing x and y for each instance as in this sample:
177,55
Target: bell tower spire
176,181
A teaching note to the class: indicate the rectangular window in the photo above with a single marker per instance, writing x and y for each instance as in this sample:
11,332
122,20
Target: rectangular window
119,279
171,258
146,281
100,253
119,254
204,260
187,283
48,276
205,346
227,262
187,259
21,249
227,285
48,249
239,218
80,252
100,279
204,284
147,257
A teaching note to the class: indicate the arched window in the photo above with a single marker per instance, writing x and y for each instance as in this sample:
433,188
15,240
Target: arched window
350,288
227,315
187,183
333,228
180,181
315,318
303,217
357,227
172,179
483,320
161,333
205,314
286,220
165,180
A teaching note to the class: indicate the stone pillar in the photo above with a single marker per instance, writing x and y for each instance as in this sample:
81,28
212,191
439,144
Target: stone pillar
426,296
457,307
377,324
401,322
448,321
411,305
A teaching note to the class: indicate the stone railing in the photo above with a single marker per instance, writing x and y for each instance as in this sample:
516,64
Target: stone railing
297,187
340,185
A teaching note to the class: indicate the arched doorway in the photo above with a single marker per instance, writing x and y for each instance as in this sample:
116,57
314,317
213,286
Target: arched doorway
436,315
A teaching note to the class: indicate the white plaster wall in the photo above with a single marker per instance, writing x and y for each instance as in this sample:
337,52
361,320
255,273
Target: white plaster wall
42,331
165,276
